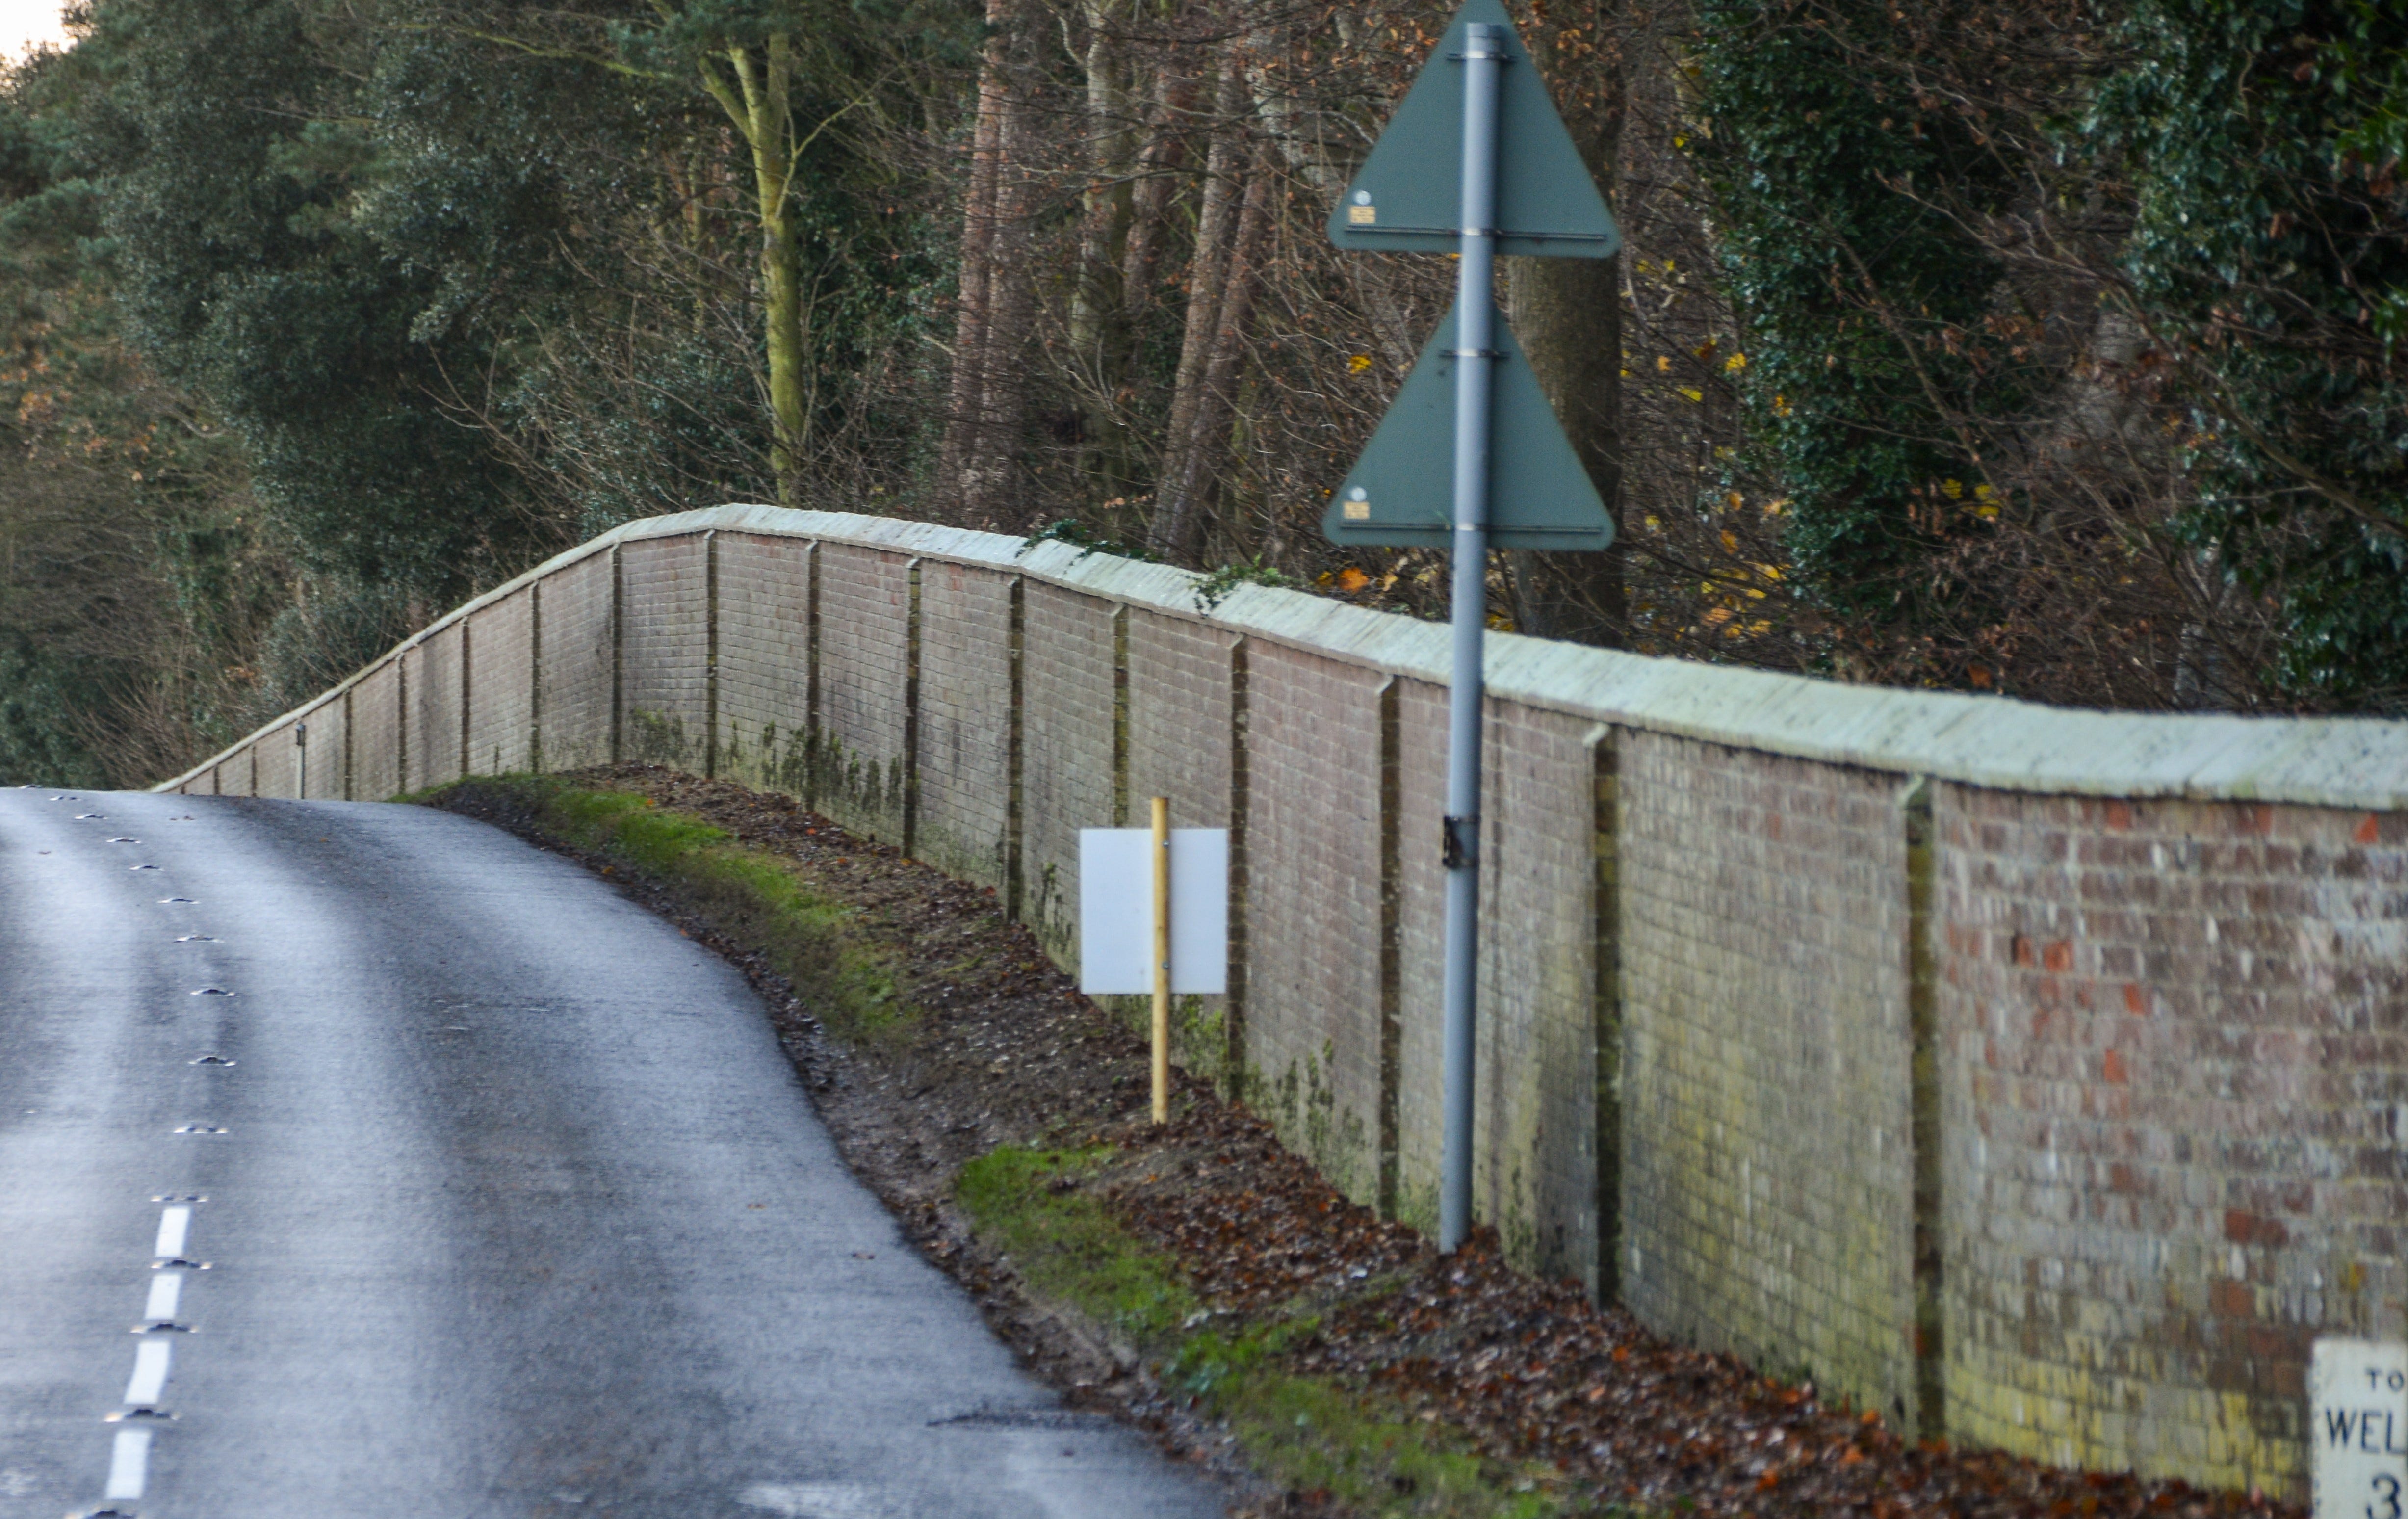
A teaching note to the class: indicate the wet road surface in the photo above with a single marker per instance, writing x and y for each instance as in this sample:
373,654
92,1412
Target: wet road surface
361,1160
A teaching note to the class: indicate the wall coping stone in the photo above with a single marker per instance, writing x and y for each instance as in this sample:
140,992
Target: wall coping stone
1991,741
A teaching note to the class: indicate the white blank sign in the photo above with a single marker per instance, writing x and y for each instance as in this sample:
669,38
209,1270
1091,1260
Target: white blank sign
1116,911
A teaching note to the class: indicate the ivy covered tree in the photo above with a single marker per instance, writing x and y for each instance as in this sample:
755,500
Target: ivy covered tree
2269,262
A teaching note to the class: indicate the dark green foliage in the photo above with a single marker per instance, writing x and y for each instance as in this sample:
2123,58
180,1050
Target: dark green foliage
2270,253
1864,306
1934,227
278,257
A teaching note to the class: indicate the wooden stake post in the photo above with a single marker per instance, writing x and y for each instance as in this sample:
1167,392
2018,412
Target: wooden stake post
1154,916
1162,959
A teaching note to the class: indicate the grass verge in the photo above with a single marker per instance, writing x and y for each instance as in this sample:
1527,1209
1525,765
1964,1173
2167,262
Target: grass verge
749,895
1308,1434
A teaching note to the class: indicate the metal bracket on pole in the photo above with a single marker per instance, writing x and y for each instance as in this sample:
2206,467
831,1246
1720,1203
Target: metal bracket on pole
1461,846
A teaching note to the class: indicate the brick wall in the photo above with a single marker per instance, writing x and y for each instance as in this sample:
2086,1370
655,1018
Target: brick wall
376,733
2174,1034
325,776
861,771
2037,1078
576,665
964,739
434,711
1536,1103
1069,778
1313,832
765,660
1767,1185
279,767
501,693
1179,708
664,651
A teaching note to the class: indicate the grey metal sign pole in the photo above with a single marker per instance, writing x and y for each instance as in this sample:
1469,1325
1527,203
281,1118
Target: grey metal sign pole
1517,484
1475,304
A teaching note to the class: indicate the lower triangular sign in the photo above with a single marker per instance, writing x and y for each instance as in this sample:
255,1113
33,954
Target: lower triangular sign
1400,492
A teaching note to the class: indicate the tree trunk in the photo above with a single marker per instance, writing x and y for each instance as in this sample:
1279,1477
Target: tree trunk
1208,436
1097,329
965,402
991,468
1207,284
1568,314
1166,149
770,134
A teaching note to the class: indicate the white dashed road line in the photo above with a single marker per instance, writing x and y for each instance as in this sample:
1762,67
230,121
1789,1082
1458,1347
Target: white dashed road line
129,1461
149,1382
173,1224
166,1289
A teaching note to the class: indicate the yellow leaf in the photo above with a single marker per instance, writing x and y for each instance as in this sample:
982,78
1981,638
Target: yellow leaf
1717,616
1359,362
1781,406
1663,363
1734,501
1735,364
1655,524
1985,512
1351,579
1983,493
1695,396
1952,489
1730,541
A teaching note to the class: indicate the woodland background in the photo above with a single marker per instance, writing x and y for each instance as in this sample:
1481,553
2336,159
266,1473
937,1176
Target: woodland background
2041,346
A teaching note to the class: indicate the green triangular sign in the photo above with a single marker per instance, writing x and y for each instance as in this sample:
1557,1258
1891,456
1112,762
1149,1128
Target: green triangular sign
1401,492
1407,197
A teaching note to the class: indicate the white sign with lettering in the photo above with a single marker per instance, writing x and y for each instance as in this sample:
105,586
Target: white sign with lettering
2357,1398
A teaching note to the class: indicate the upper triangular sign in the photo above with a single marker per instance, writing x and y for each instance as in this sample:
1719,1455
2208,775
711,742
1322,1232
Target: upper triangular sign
1407,198
1400,492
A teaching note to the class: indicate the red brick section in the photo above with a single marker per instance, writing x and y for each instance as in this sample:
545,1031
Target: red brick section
865,637
664,651
1067,775
574,724
965,719
1768,1183
764,655
1314,839
501,712
2175,1045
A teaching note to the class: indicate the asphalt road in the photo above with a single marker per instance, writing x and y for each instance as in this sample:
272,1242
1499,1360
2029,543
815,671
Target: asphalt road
472,1190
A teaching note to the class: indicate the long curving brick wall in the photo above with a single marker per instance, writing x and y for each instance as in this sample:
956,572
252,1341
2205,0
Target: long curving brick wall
2037,1078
